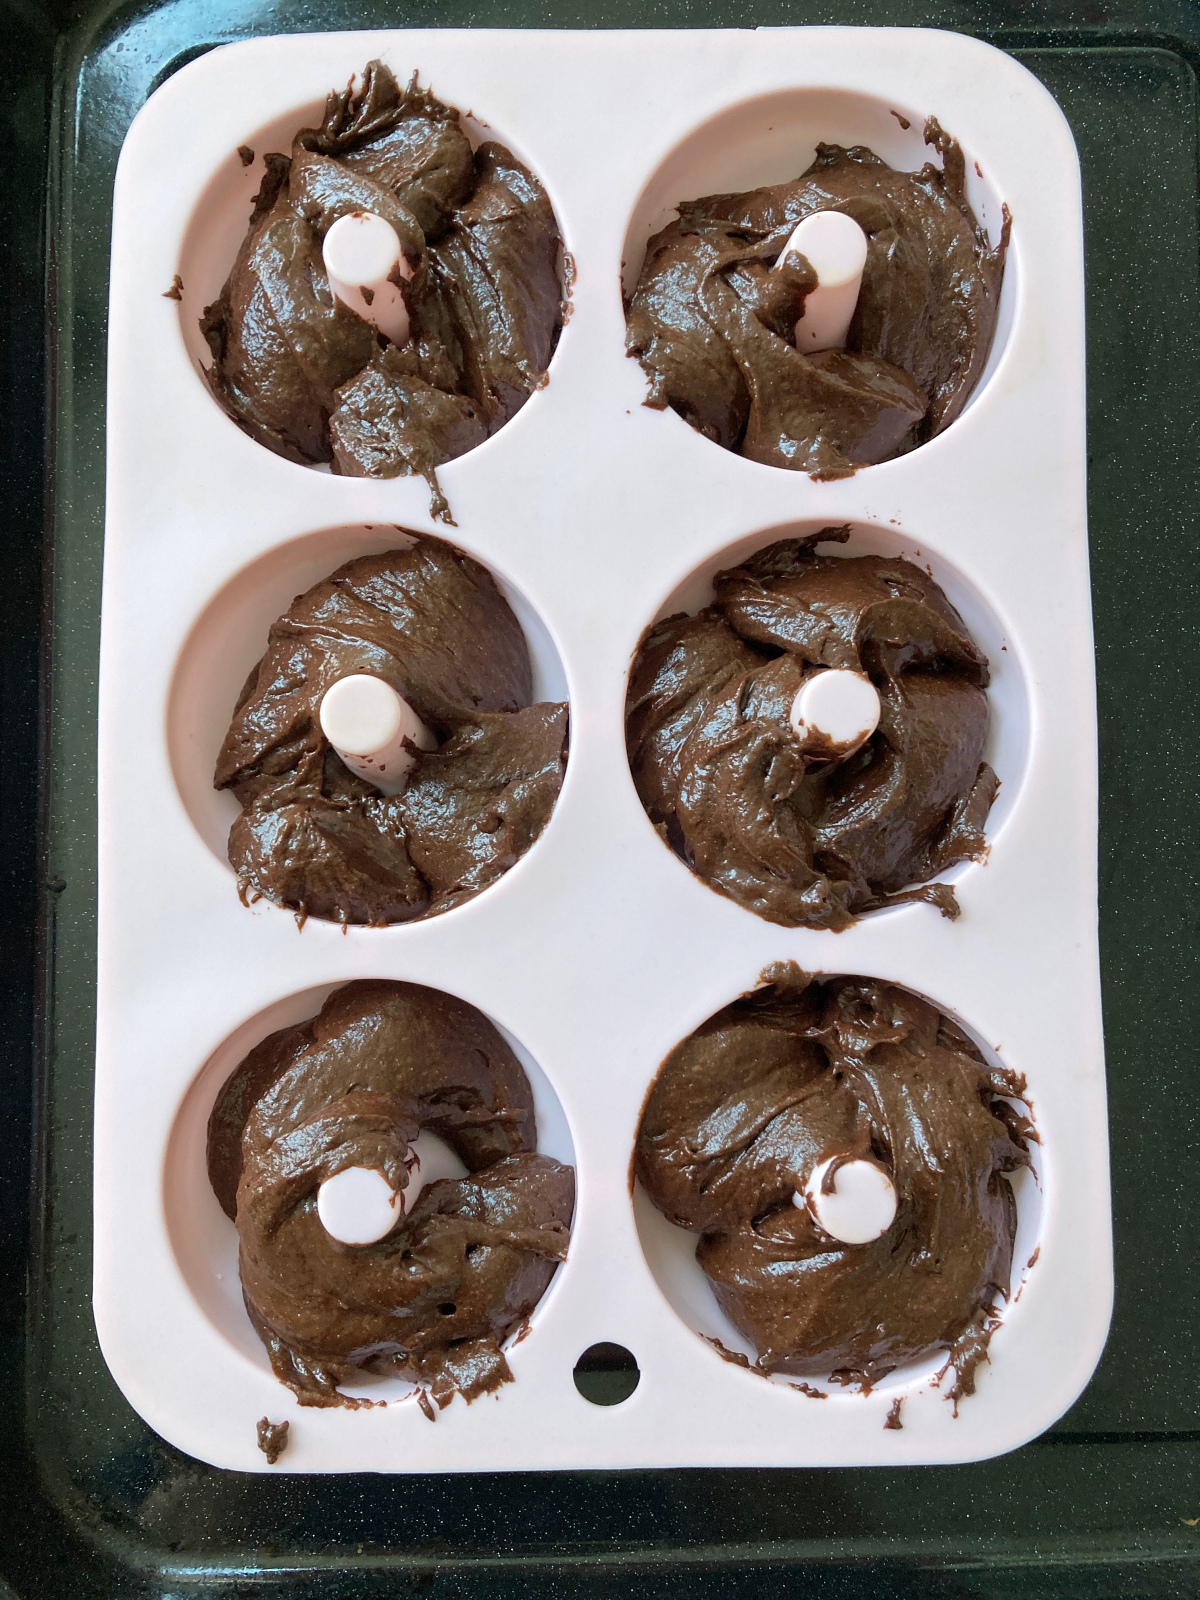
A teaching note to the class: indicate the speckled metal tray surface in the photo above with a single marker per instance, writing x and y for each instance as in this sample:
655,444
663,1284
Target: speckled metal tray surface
94,1503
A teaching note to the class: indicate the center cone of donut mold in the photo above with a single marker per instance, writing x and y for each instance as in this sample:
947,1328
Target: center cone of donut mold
374,730
317,837
835,248
434,1299
837,708
853,1201
363,260
358,1205
806,832
717,316
746,1110
316,379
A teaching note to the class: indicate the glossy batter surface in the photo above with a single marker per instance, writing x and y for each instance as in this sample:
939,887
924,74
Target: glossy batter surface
788,832
305,376
434,1301
801,1071
315,837
713,325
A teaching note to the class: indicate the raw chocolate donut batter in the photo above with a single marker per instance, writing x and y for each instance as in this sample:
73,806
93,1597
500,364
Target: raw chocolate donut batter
317,838
713,325
307,377
802,1071
433,1301
774,823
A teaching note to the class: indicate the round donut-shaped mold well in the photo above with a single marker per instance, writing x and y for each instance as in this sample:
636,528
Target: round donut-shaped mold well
230,635
772,139
218,223
1009,721
670,1251
203,1239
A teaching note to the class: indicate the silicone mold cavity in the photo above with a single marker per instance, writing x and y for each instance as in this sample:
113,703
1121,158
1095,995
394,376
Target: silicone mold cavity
231,634
218,222
205,1242
671,1256
1007,749
773,139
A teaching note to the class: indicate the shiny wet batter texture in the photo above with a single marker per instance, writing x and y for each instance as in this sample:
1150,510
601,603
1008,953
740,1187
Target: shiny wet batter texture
713,325
305,376
314,836
801,1071
799,838
434,1301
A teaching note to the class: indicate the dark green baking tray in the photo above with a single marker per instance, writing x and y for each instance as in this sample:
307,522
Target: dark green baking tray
94,1504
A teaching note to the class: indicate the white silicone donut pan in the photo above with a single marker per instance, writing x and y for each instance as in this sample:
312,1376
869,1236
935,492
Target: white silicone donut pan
599,950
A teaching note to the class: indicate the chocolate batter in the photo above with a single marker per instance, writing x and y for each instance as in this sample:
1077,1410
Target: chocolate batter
272,1438
305,376
316,837
714,326
805,1070
800,838
434,1301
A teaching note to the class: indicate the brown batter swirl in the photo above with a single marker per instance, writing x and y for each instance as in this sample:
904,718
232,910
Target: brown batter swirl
434,1301
805,1070
791,834
713,325
317,838
302,374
